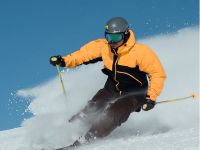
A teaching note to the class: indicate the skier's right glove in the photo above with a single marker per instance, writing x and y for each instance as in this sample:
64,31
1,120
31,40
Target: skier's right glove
57,60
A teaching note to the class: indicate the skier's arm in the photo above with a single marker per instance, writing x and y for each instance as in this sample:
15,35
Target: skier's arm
89,53
149,63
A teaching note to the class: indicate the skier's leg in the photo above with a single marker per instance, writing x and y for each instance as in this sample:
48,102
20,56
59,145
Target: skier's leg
116,113
96,104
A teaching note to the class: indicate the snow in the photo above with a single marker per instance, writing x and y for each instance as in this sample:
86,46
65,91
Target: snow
172,126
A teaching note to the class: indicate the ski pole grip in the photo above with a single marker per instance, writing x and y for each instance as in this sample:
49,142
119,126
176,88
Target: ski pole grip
144,106
53,59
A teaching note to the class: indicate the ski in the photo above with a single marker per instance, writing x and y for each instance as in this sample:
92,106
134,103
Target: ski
71,147
63,148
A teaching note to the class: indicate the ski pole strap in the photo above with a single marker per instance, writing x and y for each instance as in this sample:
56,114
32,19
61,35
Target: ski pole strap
193,96
61,80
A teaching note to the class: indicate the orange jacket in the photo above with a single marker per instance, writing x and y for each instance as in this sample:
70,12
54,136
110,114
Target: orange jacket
133,61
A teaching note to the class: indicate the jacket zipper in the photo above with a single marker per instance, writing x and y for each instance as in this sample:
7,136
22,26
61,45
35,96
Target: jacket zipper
115,70
130,76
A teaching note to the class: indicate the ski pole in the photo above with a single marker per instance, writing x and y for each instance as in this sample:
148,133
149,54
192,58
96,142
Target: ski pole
61,80
193,96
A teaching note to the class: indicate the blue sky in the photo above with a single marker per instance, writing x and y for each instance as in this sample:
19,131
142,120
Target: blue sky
32,31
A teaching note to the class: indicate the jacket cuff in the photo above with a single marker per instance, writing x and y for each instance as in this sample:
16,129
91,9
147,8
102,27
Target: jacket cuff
151,97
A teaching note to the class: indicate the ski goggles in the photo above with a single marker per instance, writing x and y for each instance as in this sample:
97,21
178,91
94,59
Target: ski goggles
113,37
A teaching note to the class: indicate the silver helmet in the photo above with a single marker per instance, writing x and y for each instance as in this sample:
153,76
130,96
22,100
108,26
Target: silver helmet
116,25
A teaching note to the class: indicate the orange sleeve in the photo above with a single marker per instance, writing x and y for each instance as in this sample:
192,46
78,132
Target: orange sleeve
149,63
86,53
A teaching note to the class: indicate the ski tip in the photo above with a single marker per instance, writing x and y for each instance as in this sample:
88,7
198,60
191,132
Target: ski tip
194,96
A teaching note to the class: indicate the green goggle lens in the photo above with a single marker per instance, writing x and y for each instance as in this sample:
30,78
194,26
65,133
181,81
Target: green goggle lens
114,37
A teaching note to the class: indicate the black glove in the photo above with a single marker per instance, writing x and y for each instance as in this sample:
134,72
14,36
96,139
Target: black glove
57,60
149,104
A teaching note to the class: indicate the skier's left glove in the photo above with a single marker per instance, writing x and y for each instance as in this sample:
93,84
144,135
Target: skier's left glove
57,60
149,104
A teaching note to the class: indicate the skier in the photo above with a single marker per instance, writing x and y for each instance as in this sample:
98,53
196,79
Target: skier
135,79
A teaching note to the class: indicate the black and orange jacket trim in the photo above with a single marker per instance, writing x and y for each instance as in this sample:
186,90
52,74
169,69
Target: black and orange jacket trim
132,66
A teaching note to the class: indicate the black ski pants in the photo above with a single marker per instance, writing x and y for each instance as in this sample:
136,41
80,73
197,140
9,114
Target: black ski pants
109,109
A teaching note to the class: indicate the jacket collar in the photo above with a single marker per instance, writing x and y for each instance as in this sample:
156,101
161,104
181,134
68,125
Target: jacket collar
128,45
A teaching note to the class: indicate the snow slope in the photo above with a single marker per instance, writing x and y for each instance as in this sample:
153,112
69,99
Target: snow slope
167,127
